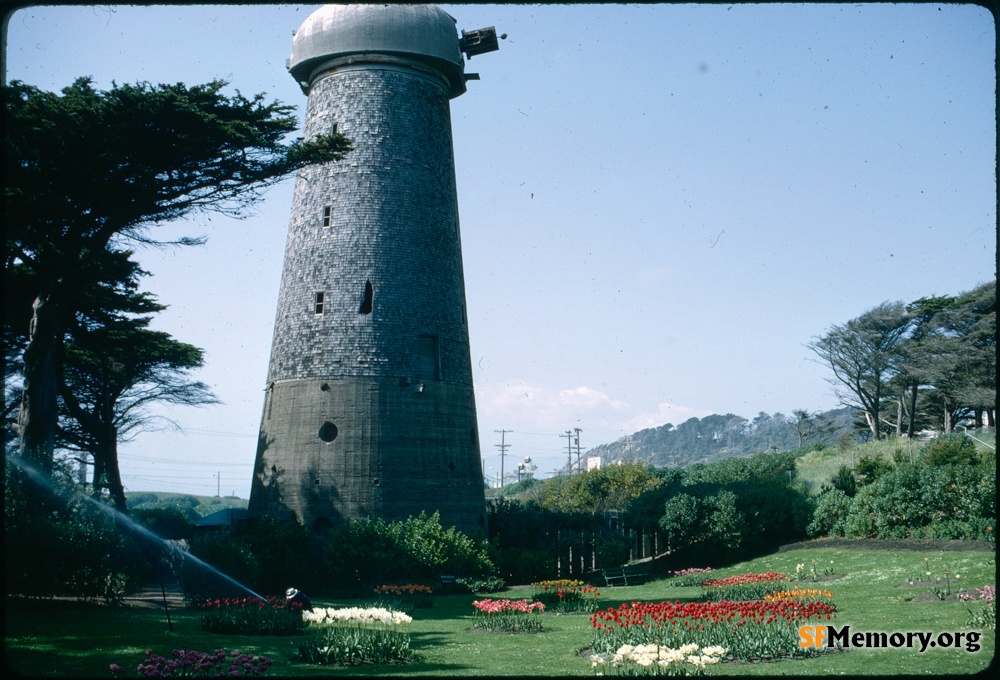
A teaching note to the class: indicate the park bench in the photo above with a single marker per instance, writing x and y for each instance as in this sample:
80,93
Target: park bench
623,575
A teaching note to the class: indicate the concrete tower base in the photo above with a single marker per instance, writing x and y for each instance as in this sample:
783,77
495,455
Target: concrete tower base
334,450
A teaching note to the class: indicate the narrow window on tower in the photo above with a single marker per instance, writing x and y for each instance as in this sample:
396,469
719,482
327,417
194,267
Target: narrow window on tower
428,358
335,128
366,302
320,298
327,216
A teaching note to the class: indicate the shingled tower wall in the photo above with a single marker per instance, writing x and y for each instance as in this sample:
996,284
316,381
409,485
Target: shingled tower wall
369,408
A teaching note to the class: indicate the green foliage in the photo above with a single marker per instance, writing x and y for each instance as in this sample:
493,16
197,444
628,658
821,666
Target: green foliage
844,481
760,467
830,516
225,553
735,506
366,552
486,584
608,488
67,545
286,554
923,501
169,523
612,548
869,468
952,449
519,545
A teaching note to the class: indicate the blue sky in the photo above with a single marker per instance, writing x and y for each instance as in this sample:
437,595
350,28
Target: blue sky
661,205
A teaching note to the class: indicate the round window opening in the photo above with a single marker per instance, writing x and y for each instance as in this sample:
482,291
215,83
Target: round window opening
328,432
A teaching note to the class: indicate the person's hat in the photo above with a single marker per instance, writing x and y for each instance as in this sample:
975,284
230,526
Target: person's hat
291,592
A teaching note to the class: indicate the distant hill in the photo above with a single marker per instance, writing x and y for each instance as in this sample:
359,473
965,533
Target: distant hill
193,506
714,437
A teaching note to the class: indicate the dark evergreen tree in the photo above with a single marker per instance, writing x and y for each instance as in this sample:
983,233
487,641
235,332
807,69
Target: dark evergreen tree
86,169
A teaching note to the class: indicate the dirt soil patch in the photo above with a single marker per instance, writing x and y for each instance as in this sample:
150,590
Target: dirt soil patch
915,544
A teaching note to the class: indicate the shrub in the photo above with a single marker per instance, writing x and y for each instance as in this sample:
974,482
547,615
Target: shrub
488,584
844,480
830,515
224,564
919,501
366,552
286,554
952,449
168,523
613,549
61,543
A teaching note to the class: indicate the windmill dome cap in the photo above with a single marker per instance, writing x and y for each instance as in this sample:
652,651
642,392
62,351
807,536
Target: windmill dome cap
423,32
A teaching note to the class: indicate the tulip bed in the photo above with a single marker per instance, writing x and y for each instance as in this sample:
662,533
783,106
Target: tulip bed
251,616
744,586
565,595
655,659
801,594
405,597
748,630
355,636
507,616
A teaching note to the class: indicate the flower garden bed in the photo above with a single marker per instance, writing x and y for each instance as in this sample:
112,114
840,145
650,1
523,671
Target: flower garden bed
744,586
251,616
507,616
566,596
353,635
748,630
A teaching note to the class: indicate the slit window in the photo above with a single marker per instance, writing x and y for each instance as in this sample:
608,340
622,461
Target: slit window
320,299
327,216
428,358
366,301
335,128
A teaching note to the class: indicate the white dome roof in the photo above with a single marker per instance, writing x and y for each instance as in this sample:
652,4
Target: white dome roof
424,32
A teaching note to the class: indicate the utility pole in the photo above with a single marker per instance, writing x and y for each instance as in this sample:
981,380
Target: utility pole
569,449
576,440
503,446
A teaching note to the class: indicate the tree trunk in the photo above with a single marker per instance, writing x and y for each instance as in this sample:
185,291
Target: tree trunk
39,404
913,410
115,486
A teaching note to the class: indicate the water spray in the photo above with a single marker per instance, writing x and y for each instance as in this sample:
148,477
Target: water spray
42,481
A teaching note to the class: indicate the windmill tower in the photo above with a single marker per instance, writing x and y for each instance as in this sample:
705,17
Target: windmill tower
369,408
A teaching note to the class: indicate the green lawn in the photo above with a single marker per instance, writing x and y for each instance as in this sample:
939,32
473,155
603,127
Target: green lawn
61,640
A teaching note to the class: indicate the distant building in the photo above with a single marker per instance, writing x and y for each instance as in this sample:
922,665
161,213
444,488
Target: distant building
594,463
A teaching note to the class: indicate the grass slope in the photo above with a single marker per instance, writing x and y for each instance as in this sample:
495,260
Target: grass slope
62,640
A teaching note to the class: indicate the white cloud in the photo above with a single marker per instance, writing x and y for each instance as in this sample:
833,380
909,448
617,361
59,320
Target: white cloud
665,413
527,405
